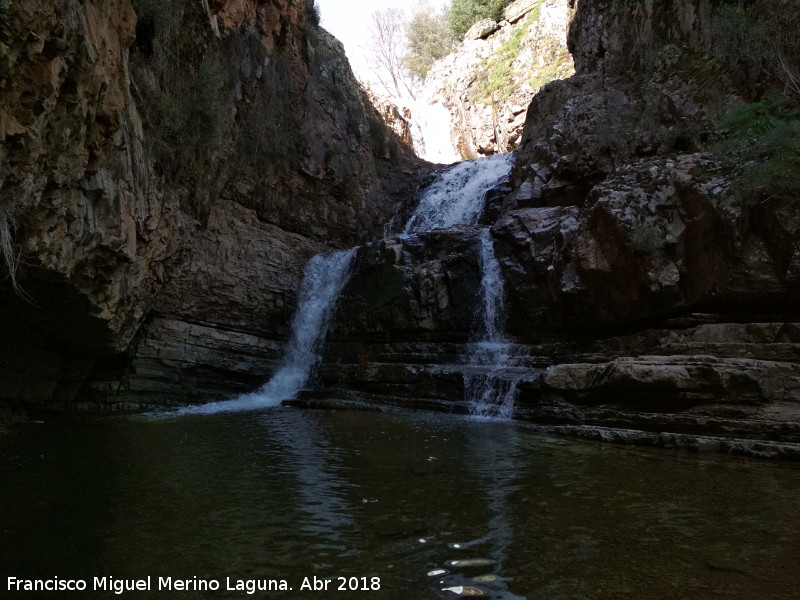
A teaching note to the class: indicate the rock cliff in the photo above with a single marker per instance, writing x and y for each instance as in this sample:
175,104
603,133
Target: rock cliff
487,83
651,296
166,169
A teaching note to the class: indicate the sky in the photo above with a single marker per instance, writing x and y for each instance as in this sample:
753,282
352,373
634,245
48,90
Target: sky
349,21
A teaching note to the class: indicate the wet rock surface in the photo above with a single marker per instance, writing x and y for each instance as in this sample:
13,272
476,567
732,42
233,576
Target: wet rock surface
146,258
648,299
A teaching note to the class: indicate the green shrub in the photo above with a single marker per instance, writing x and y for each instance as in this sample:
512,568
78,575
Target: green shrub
280,136
377,135
178,84
463,14
764,136
429,39
312,13
495,74
646,238
758,39
559,65
354,121
187,115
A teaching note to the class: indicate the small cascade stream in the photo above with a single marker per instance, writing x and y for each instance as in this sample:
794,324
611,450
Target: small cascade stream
457,197
323,280
489,388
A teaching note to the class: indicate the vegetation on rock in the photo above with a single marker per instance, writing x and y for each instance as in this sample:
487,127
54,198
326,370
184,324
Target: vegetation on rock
313,13
8,252
429,39
178,83
496,76
758,43
464,14
764,136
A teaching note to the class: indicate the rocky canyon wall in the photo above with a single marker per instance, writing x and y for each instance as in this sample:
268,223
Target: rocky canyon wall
651,297
166,169
487,83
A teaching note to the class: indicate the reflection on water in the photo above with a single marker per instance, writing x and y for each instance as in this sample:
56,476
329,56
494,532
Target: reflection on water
312,467
437,507
496,465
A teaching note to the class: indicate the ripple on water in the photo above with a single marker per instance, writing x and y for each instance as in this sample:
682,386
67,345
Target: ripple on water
280,493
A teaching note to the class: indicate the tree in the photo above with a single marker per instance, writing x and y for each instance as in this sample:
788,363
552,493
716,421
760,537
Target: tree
464,14
429,39
386,48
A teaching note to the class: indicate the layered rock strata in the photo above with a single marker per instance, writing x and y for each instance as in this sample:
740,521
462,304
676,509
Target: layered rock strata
156,214
649,298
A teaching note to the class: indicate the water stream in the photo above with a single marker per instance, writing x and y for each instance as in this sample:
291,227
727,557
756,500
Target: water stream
430,123
323,280
457,197
489,384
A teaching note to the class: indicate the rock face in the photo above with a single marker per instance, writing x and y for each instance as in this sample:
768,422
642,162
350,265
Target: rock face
481,29
394,115
649,299
488,82
158,214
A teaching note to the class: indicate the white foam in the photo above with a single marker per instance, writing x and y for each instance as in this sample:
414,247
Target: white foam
458,194
323,280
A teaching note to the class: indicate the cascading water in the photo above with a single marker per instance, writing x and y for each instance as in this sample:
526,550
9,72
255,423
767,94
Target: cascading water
492,290
457,197
430,123
489,388
323,280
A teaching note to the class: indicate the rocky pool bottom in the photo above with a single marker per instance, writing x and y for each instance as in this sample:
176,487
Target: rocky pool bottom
435,506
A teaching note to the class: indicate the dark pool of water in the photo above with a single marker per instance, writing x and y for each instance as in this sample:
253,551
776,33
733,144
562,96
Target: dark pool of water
286,495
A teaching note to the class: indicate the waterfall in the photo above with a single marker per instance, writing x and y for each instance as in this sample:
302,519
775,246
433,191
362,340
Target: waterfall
323,280
457,196
492,290
430,132
490,391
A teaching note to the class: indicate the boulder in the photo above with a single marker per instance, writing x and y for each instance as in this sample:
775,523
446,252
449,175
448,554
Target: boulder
519,8
482,29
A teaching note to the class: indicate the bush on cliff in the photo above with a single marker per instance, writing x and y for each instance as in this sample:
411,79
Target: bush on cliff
8,252
312,12
759,41
764,136
463,14
429,39
179,89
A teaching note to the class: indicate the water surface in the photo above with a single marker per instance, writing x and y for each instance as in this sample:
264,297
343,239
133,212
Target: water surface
432,505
